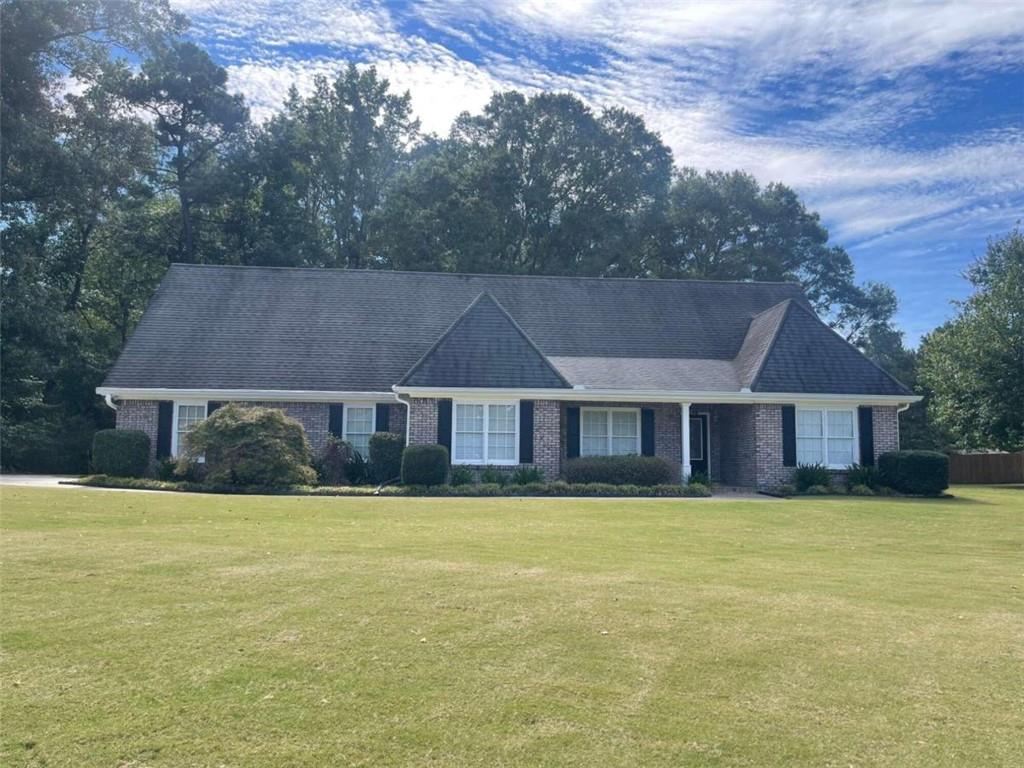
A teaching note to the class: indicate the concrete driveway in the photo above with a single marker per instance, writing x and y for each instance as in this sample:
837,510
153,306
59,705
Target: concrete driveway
36,481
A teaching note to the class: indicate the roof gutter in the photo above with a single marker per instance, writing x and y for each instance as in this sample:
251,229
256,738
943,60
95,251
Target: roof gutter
286,395
656,396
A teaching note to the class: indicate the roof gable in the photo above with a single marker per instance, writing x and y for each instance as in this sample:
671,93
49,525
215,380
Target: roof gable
485,347
805,355
761,334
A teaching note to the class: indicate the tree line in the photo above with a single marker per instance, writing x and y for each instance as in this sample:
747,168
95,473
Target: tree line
123,150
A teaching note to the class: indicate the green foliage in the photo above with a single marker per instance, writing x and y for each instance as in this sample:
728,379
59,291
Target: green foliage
332,464
919,473
386,456
461,475
424,465
528,476
250,446
619,470
120,452
974,364
807,475
699,478
861,490
817,490
494,476
786,489
858,474
358,470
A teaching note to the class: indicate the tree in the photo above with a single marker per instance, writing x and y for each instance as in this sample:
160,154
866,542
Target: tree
182,87
534,185
323,165
974,364
725,226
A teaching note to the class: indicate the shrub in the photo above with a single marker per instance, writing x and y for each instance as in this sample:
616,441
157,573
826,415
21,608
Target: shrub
693,489
357,470
619,470
332,466
461,476
818,490
250,446
857,474
920,473
527,476
424,465
492,476
120,452
700,478
786,489
807,475
386,456
861,490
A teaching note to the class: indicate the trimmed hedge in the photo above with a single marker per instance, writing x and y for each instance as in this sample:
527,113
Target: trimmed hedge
120,452
920,473
386,456
424,465
620,470
551,490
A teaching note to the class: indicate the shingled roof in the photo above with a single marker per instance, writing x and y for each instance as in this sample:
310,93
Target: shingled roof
265,328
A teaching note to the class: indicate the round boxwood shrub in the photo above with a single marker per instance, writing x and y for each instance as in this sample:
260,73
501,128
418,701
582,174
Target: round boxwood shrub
424,465
386,456
620,470
251,446
919,473
120,452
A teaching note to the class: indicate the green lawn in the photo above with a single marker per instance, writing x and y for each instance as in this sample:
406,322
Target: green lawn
185,630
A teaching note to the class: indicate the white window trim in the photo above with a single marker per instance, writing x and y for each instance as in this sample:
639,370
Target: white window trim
344,419
484,461
608,436
174,422
824,433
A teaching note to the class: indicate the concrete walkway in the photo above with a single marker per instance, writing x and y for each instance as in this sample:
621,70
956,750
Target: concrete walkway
36,481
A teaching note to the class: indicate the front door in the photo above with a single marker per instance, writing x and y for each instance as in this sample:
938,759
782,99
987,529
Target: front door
699,444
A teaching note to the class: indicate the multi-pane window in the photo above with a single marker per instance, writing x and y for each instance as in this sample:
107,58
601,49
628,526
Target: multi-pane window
609,431
485,433
185,419
825,436
359,425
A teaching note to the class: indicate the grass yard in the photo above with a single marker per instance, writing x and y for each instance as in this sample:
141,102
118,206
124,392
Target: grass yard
186,630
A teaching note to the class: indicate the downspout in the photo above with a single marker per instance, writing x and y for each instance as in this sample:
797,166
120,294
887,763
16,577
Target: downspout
899,410
110,402
408,415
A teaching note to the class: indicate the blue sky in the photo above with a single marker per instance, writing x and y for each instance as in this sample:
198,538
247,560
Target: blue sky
901,123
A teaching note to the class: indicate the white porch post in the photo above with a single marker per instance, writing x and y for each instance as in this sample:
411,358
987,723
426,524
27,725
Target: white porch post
685,409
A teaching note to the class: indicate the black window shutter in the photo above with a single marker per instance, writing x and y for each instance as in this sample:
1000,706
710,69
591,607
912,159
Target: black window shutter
336,420
164,424
647,432
526,431
383,417
572,432
866,429
212,406
444,424
789,435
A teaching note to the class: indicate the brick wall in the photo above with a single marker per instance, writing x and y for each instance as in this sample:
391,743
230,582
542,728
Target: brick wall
735,429
770,471
886,429
314,418
141,415
546,429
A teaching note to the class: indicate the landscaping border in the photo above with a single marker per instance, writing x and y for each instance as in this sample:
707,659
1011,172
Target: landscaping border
556,489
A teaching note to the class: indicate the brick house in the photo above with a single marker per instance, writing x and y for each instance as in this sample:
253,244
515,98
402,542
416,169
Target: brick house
739,381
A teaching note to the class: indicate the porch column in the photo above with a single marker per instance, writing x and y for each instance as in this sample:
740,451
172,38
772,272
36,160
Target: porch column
685,409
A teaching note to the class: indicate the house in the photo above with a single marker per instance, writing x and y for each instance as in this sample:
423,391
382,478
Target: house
738,380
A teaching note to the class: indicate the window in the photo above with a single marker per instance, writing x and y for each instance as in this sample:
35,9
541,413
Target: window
186,416
609,431
485,433
359,427
825,436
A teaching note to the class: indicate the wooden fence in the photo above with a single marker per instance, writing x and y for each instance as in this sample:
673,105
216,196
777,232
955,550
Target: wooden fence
986,468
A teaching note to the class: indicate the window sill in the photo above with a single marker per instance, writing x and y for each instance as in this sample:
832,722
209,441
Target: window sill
465,463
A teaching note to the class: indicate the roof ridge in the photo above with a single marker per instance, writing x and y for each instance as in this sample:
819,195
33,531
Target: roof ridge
365,270
787,304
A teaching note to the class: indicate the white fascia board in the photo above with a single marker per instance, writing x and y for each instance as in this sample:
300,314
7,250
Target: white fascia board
655,396
283,395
